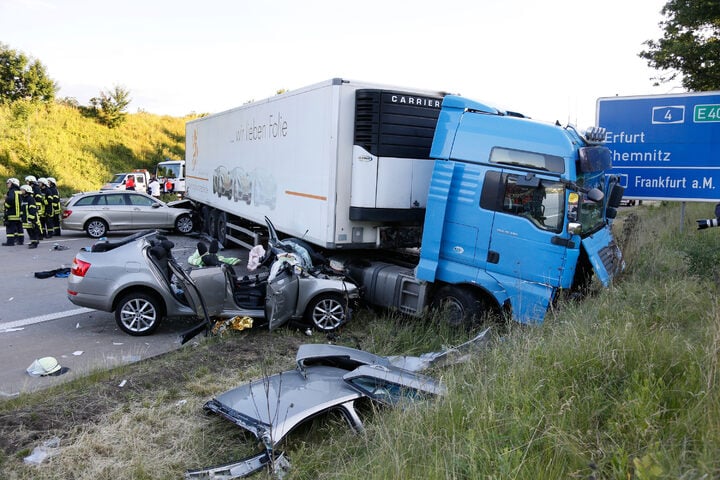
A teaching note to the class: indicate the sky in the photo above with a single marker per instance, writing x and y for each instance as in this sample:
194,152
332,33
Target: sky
550,60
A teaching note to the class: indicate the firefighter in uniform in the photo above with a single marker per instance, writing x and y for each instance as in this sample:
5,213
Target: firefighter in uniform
29,215
55,202
13,221
39,199
46,220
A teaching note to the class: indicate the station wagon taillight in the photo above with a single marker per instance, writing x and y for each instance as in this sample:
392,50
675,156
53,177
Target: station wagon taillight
66,213
79,268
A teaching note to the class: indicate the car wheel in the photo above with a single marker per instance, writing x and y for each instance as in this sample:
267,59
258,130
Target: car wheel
327,312
184,224
459,307
138,314
96,228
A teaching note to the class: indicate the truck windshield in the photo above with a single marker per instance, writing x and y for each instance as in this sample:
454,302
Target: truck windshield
168,171
590,214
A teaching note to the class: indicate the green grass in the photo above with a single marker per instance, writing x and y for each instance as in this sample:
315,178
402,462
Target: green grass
621,385
57,140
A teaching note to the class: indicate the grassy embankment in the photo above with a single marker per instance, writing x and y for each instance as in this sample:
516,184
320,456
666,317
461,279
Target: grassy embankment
63,142
622,385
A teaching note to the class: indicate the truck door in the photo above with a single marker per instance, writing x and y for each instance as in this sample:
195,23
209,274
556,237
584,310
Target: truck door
528,252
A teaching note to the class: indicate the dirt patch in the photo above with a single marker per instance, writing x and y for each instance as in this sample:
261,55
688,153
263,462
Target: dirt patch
26,421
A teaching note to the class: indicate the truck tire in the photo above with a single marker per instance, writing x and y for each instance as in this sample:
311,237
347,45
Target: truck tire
138,314
212,220
327,312
459,307
221,226
96,228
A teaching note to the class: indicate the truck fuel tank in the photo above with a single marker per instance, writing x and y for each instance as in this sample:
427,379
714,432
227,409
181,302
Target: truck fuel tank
388,285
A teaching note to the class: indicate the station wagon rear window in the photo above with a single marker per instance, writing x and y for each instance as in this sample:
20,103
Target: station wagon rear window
522,158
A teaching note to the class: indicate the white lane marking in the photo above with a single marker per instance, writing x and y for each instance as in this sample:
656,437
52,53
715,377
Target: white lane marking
42,318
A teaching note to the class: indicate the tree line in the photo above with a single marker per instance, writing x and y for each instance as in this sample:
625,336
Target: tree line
26,78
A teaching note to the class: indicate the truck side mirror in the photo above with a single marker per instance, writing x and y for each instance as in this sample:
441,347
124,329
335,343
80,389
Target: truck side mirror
595,195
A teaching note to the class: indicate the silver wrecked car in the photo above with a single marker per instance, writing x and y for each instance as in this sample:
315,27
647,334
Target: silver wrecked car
139,280
100,212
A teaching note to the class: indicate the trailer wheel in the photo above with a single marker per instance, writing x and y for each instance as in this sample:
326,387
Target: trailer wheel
212,222
459,307
221,226
327,312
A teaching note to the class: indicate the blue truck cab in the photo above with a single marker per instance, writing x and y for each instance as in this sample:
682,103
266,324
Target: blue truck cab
517,211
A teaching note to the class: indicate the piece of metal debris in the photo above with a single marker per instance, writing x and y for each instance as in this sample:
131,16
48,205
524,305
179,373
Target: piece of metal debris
327,377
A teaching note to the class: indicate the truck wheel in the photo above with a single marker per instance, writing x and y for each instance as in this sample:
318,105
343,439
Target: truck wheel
327,312
138,314
96,228
184,224
212,222
458,307
221,226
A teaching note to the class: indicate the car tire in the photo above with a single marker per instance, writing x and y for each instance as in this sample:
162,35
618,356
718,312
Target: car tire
96,228
327,312
184,224
138,314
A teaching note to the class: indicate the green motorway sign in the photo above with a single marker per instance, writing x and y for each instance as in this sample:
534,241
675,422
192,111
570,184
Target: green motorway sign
706,113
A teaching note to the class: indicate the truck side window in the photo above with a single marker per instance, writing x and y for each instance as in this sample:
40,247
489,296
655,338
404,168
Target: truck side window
542,205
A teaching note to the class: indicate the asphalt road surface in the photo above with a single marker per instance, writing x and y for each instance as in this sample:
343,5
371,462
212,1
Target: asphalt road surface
37,320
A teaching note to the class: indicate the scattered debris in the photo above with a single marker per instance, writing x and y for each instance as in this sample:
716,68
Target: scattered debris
122,384
48,449
77,353
236,323
270,407
43,367
57,273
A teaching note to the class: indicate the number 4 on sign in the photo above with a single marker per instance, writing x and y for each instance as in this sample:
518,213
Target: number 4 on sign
668,114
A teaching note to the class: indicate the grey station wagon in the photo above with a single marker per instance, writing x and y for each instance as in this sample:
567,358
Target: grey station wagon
99,212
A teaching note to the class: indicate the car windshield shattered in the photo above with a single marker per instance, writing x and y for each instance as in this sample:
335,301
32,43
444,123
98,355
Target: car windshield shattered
326,378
